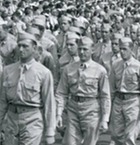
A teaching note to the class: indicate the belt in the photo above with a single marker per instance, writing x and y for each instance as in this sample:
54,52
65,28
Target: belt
81,99
21,108
126,96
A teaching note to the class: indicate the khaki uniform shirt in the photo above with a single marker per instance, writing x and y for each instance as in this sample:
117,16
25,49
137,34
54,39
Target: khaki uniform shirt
126,76
90,82
29,84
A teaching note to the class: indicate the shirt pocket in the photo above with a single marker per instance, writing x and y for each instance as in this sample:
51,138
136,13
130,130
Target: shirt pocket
31,91
91,82
72,82
10,90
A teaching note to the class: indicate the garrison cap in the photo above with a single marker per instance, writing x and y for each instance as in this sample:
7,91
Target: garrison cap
106,26
66,19
125,41
85,41
72,35
26,36
134,27
116,36
75,29
40,20
33,30
79,24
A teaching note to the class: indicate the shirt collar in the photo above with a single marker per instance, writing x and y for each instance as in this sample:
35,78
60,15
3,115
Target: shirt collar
87,64
128,62
28,64
118,55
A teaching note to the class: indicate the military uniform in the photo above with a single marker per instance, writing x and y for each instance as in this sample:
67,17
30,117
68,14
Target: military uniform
126,90
89,103
28,100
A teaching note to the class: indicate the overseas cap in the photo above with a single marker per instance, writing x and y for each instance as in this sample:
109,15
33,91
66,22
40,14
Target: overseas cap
26,36
33,30
40,20
85,41
116,36
134,27
72,35
75,29
125,41
79,24
66,19
106,27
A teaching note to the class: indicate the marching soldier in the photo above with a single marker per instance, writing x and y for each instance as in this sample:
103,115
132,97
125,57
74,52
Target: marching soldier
27,98
89,105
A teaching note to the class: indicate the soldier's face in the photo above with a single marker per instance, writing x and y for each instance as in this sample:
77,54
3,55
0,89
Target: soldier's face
65,25
115,46
125,51
98,33
26,49
133,34
105,33
85,52
72,47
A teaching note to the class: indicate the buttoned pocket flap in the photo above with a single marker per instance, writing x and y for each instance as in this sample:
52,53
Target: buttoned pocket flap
91,81
8,84
34,87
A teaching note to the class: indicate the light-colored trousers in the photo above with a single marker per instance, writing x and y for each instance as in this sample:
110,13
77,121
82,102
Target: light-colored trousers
124,119
83,123
24,129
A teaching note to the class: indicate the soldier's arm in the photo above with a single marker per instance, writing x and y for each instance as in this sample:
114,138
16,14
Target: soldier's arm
62,92
49,104
104,91
3,99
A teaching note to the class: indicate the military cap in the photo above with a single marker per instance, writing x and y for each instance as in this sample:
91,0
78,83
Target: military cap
75,29
106,26
79,24
134,27
125,41
40,20
116,36
33,30
72,35
26,36
85,41
66,19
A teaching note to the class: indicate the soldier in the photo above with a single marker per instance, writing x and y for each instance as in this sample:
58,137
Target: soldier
125,82
27,98
110,58
89,105
65,23
104,46
72,50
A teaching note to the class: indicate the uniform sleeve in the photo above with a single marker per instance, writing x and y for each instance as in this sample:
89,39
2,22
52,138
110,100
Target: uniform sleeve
62,92
3,100
104,90
49,104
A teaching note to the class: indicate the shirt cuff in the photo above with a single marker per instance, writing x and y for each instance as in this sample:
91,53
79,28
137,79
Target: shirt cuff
50,131
59,111
105,118
50,139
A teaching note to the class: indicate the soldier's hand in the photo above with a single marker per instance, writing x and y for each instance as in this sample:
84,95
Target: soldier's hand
59,121
103,126
50,140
